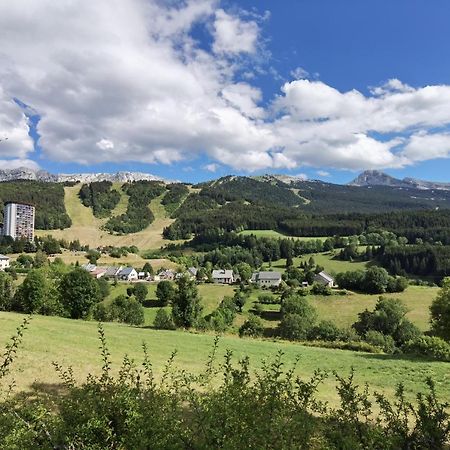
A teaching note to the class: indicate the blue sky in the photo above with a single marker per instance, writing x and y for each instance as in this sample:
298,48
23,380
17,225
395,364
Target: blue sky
287,59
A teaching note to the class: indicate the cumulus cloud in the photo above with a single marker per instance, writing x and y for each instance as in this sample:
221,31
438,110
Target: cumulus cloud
323,173
211,167
233,35
14,138
125,80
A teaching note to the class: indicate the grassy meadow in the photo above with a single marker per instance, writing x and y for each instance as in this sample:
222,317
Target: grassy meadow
325,260
75,343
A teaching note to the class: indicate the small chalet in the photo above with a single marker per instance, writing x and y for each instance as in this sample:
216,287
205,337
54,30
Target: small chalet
222,276
4,262
325,279
266,279
168,275
128,274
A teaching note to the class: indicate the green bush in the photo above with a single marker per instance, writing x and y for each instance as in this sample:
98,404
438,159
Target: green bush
325,330
268,299
429,346
163,320
377,339
252,327
321,289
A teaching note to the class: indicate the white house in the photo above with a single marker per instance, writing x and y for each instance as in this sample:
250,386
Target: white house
324,278
128,274
223,276
4,262
266,279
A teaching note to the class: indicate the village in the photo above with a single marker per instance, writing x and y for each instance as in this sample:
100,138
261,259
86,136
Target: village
262,279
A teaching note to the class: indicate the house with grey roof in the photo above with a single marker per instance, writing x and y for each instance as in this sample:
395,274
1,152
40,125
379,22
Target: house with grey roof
112,271
223,276
128,274
324,279
89,267
266,278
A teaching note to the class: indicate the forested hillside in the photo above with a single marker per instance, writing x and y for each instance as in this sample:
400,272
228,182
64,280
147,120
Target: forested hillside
100,197
138,214
48,198
311,208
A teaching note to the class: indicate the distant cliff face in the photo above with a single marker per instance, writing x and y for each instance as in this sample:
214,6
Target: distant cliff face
377,178
24,173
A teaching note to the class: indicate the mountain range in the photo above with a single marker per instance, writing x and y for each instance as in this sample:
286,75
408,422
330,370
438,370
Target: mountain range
25,173
377,178
366,178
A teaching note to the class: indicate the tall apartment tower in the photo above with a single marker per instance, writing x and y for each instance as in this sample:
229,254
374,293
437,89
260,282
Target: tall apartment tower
18,221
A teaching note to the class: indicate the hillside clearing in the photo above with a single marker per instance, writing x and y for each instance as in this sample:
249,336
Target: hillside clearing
277,234
326,260
87,228
75,343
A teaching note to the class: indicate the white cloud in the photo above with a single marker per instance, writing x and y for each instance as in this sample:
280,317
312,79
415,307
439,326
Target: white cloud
18,163
423,146
323,173
14,138
211,167
124,80
232,35
299,73
105,144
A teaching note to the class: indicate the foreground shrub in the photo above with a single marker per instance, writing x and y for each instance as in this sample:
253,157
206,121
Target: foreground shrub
227,406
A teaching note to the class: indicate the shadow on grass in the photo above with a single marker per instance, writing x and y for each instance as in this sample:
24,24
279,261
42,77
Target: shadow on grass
153,303
272,316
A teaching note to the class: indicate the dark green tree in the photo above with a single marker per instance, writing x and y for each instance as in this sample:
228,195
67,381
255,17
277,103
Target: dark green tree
37,295
6,291
78,292
440,312
298,318
165,292
163,320
186,307
140,291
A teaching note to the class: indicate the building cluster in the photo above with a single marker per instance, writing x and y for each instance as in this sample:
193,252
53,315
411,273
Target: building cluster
18,221
263,279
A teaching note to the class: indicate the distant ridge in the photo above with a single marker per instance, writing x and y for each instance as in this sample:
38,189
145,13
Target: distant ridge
378,178
25,173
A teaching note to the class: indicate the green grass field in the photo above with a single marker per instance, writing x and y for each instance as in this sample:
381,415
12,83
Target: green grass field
322,259
75,343
277,234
